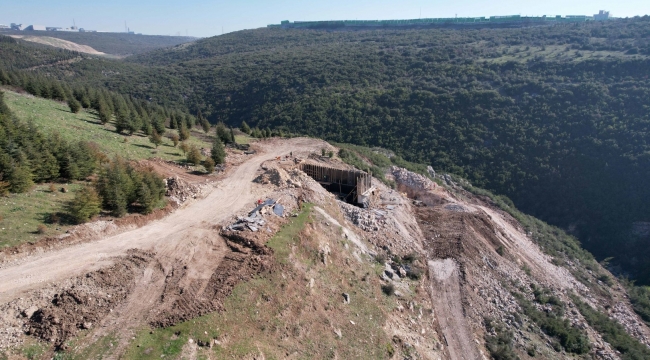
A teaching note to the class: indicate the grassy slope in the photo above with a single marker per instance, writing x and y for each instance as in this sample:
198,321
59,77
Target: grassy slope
50,116
22,213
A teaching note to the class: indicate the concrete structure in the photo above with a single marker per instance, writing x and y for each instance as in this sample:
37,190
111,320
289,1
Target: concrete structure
3,26
353,186
17,27
36,28
602,15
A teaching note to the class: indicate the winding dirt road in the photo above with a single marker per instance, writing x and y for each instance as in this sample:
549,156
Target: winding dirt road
175,235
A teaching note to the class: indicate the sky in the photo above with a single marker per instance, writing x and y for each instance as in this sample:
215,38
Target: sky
209,18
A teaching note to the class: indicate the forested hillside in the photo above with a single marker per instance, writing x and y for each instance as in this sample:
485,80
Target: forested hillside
556,118
121,44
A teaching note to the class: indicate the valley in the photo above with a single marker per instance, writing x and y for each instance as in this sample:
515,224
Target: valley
305,193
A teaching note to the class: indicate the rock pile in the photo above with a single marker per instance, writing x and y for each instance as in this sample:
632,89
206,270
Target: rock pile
364,219
411,179
179,191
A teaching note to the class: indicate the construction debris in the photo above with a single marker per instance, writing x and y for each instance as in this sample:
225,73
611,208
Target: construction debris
255,219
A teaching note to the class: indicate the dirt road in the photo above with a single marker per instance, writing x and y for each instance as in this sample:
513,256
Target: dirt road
447,301
177,234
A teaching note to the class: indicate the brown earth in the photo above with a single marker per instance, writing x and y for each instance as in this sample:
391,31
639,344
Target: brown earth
190,268
59,43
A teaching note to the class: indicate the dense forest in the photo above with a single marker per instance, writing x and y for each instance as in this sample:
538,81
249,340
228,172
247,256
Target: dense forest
556,118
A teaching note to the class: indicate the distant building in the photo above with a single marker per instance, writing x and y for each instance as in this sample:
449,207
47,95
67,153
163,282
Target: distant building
52,28
17,27
602,15
3,26
36,28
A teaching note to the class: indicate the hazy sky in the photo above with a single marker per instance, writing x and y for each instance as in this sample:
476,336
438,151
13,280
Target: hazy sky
207,18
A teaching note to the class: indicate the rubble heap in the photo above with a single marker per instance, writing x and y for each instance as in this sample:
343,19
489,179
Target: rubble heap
179,191
364,219
255,219
411,179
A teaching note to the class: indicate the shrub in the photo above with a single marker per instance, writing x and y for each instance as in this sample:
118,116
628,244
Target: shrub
500,344
194,155
208,163
218,153
613,332
85,205
388,289
414,273
155,138
74,105
183,132
184,147
41,229
174,138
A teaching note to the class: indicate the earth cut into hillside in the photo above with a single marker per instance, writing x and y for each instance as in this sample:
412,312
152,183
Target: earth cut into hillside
267,263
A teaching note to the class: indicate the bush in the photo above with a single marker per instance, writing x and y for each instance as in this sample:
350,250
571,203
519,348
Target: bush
155,138
208,164
41,229
183,132
218,153
500,344
552,323
388,289
84,206
74,105
194,155
414,273
613,332
174,138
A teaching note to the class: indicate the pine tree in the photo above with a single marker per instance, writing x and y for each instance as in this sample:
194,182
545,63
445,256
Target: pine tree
74,105
174,138
205,124
218,153
245,128
232,136
20,179
184,147
173,124
222,133
194,155
122,121
208,164
184,133
155,138
56,92
85,205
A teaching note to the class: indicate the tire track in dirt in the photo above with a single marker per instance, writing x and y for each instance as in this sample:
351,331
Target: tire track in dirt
447,302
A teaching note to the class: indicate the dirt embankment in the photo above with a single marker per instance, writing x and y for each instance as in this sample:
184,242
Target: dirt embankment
59,43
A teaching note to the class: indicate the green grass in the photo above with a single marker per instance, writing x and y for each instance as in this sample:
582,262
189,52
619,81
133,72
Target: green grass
52,116
23,213
243,139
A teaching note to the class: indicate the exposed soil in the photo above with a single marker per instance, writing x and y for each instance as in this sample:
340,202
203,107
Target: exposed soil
59,43
164,272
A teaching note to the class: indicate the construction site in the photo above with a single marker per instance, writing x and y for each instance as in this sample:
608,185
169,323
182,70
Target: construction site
289,254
